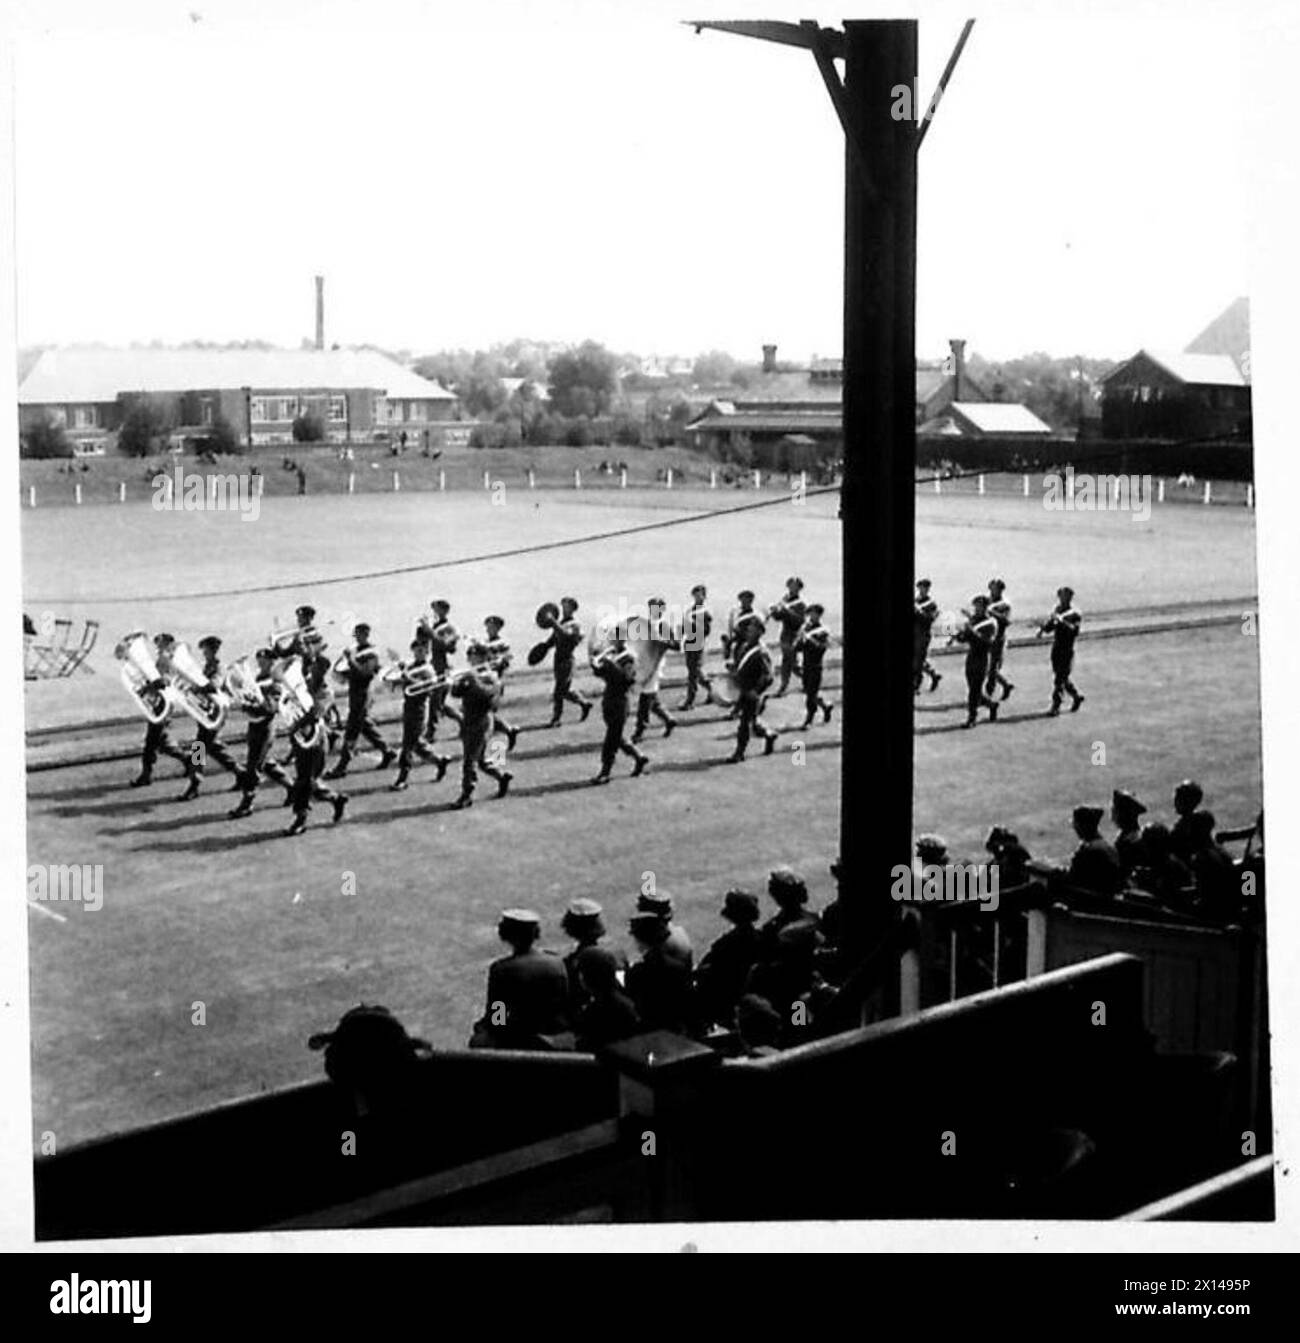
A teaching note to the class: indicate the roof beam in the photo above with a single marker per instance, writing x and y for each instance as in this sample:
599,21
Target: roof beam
933,105
787,34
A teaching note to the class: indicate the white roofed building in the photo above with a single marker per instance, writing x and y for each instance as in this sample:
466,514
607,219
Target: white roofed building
358,394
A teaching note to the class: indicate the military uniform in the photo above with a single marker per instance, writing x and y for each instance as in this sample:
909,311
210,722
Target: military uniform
208,738
566,635
261,733
498,659
157,739
526,998
441,637
722,974
362,668
417,682
925,613
978,635
813,641
660,986
618,671
739,622
697,625
753,676
1000,610
648,703
1095,867
308,751
790,613
1063,625
479,693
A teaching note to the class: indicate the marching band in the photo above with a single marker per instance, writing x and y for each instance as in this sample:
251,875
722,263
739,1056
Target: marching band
289,683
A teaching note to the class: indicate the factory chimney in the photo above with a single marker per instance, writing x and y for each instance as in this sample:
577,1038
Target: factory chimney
320,312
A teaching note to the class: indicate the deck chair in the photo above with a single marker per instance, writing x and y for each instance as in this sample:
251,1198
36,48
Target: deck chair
75,657
45,656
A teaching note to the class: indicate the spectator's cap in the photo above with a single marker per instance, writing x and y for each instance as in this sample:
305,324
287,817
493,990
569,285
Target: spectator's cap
569,604
1088,817
210,643
162,640
816,609
1066,594
583,919
1124,801
596,967
361,629
740,907
744,595
305,613
661,906
997,583
699,590
794,582
1189,792
931,843
494,620
998,835
439,604
648,928
519,921
657,601
787,887
923,583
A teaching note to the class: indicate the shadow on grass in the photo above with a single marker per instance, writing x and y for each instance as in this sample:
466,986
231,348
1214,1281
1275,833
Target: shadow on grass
983,722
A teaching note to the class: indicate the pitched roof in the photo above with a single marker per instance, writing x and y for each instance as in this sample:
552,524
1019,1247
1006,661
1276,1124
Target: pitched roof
1000,417
1228,334
828,421
81,375
1204,370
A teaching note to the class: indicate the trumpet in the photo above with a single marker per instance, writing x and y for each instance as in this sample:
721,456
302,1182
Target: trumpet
140,677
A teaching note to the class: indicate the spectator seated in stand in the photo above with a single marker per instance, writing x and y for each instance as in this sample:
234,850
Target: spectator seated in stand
582,922
677,944
720,978
1188,797
527,991
372,1059
607,1013
1161,874
1094,865
1125,810
1218,883
759,1026
790,893
1009,857
658,983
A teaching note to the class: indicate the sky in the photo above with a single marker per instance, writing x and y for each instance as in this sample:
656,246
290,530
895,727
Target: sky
465,174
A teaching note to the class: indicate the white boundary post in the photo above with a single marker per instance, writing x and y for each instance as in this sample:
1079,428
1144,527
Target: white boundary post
31,496
1250,496
1160,491
532,479
442,479
938,485
980,485
713,478
1026,487
1209,493
121,491
487,480
577,478
352,482
668,481
397,483
76,492
622,478
758,479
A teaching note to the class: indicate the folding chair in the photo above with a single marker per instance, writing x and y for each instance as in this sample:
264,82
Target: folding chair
75,657
47,656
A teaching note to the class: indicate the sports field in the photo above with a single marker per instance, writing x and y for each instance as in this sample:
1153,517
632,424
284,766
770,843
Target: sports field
258,927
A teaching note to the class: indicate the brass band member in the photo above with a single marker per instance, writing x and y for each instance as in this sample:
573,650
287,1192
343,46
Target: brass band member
978,634
924,616
479,691
213,748
811,645
1000,610
417,679
616,666
697,625
442,637
789,613
361,667
308,759
1063,625
157,739
658,641
753,677
261,732
499,658
738,621
566,635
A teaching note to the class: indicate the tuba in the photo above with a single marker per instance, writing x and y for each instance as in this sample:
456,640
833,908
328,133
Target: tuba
139,672
242,683
190,687
296,703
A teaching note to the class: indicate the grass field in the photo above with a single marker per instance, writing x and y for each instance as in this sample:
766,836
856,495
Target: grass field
199,908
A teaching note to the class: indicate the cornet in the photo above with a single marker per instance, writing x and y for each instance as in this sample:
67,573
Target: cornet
140,677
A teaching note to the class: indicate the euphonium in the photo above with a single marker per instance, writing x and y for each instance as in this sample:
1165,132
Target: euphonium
139,672
296,703
190,686
242,682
